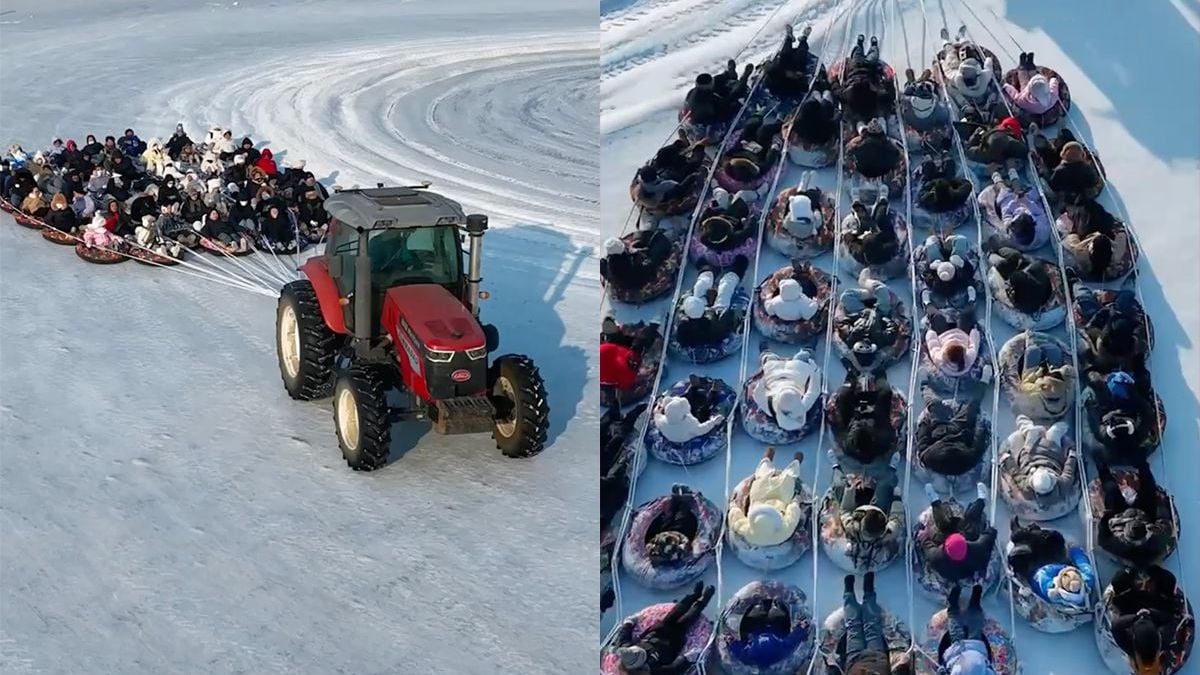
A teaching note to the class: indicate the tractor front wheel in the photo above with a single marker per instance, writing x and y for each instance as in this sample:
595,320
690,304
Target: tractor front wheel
361,415
522,412
305,345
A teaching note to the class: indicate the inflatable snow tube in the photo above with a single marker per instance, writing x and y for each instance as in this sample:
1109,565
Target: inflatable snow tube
891,269
1051,116
833,634
662,283
780,555
1044,173
1000,644
711,134
59,237
764,176
732,344
981,55
802,628
960,300
26,221
678,573
761,426
898,416
1027,504
918,141
981,372
1043,615
948,484
1048,316
844,336
699,252
607,541
934,585
208,245
1118,268
1167,516
788,244
1148,445
812,155
944,221
801,331
147,257
893,180
634,448
643,384
694,645
99,256
857,557
6,207
697,450
1028,399
1177,652
674,207
1106,298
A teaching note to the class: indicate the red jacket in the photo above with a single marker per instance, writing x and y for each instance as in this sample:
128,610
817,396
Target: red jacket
266,162
618,366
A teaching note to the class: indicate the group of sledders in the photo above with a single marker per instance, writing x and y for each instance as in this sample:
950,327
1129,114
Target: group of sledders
151,201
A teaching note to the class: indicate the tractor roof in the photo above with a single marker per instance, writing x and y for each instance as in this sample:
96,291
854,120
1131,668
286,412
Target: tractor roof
394,207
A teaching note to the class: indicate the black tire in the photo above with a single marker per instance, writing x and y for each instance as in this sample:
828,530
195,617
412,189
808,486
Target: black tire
366,389
318,345
523,415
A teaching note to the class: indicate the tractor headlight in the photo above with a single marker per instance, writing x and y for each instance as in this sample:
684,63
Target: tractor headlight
477,353
439,355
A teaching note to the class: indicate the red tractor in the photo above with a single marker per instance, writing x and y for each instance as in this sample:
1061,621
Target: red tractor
389,306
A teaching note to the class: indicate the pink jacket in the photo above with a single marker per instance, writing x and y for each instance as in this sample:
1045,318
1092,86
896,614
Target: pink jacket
937,345
1037,96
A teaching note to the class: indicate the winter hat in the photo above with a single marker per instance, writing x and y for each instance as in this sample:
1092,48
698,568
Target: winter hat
668,546
1042,480
613,246
147,220
647,174
800,208
232,187
247,141
1120,384
789,290
97,222
693,307
1040,88
213,184
970,70
875,126
945,270
765,519
39,158
788,402
956,547
239,159
632,658
295,164
1072,152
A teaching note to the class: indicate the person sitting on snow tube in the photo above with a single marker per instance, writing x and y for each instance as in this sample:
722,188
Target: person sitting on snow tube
874,154
277,230
788,388
1075,175
98,236
1133,530
622,349
786,74
968,81
34,205
867,506
959,547
946,269
755,151
1097,243
864,649
682,419
173,226
865,88
221,234
765,637
802,221
921,107
703,105
654,190
867,327
1038,467
1148,617
793,302
1115,333
661,649
702,323
1121,417
1041,559
635,265
771,513
725,224
1022,216
1024,279
952,434
1037,94
61,217
149,238
1037,375
871,238
941,191
963,648
679,159
816,120
732,88
953,350
999,145
861,418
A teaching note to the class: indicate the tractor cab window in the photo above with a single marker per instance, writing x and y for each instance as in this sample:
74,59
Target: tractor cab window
418,255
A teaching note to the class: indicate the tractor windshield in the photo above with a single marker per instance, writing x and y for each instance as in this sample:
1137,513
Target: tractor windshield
413,256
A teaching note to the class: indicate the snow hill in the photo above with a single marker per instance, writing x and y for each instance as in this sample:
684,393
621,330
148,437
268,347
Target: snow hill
1139,115
164,506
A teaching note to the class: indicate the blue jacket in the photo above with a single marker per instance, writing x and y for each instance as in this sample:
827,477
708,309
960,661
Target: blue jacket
131,146
1043,578
764,649
967,657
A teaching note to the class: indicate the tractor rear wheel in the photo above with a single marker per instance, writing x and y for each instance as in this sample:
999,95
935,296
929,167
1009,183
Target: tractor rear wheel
522,412
361,416
305,345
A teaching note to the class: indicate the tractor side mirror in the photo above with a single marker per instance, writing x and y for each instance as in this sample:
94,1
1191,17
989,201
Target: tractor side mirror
491,335
477,223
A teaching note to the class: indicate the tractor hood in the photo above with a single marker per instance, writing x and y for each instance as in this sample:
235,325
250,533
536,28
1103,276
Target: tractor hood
433,315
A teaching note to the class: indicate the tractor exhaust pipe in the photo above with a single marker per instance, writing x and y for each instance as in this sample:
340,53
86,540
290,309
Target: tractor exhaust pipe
362,290
476,225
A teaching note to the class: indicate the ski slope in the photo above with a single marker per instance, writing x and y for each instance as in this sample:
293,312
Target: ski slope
164,506
1135,114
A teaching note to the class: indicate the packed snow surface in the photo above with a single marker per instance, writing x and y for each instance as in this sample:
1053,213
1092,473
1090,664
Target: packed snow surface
1137,114
164,506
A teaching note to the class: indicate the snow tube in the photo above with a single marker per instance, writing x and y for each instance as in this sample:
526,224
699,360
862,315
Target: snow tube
711,134
680,573
607,541
896,267
894,180
899,413
732,343
1106,298
1044,173
766,173
633,446
1027,398
59,237
147,257
1027,504
6,207
833,634
812,155
100,256
780,555
699,252
207,245
801,331
958,302
644,382
1177,652
1048,316
697,450
789,244
1043,615
1118,268
935,586
730,623
26,221
1091,443
844,336
1000,644
943,221
1051,116
982,56
761,426
680,205
945,483
981,372
663,282
857,557
1167,516
697,639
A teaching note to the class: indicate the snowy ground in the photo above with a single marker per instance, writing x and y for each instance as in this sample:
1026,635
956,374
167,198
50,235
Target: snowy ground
1137,115
164,506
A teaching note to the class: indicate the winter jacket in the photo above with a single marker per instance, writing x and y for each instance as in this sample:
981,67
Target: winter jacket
193,210
70,157
63,220
154,159
168,193
868,663
771,514
251,154
979,552
32,204
967,657
1011,205
84,207
1033,447
874,155
923,116
176,144
131,146
1043,581
92,152
678,425
707,330
1078,248
624,270
995,146
943,194
217,228
953,438
788,389
937,345
790,303
617,366
313,213
702,106
964,90
239,213
1140,554
277,230
143,205
169,226
1074,178
224,149
266,162
1038,95
766,649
